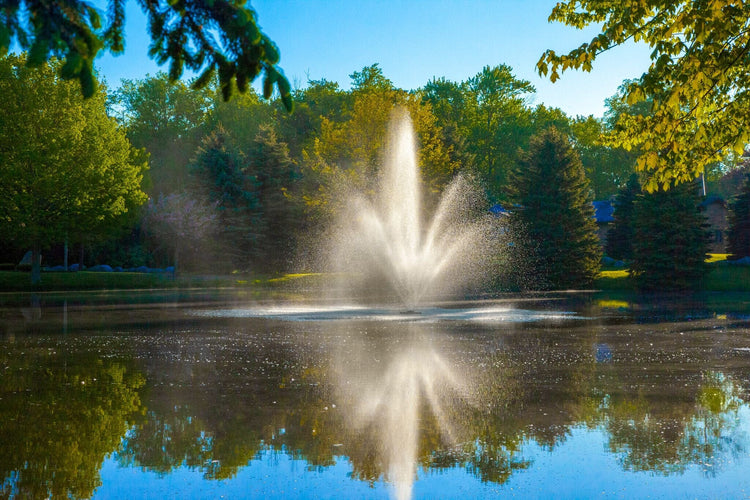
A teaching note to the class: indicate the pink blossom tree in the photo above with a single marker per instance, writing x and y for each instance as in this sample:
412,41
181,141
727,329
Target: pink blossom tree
180,221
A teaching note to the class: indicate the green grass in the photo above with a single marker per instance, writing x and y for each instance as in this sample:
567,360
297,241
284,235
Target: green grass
614,280
728,279
17,281
720,278
717,257
12,281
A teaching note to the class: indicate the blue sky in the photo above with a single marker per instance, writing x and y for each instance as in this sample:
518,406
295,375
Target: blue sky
414,41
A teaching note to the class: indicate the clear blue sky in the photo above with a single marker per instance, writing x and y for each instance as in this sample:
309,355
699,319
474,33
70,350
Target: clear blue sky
414,41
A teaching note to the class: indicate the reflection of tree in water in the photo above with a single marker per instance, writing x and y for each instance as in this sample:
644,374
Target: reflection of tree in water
61,416
703,430
165,441
266,397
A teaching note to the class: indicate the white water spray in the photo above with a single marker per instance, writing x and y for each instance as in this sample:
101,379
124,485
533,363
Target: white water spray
386,240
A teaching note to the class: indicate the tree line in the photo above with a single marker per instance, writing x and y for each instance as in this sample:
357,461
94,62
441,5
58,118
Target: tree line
210,184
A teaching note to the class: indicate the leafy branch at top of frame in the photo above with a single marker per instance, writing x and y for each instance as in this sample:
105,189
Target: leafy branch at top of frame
215,38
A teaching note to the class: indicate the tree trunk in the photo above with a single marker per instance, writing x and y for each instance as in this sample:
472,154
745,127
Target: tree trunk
80,259
36,264
65,253
176,255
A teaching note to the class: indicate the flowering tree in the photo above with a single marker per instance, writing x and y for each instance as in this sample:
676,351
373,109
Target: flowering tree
180,221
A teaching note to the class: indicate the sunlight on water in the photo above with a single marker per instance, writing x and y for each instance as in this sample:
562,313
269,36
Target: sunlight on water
500,314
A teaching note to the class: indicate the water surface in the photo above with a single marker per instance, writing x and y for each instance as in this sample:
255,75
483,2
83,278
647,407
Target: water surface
203,396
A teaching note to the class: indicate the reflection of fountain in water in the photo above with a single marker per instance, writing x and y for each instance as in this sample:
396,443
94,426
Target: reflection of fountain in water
395,395
385,239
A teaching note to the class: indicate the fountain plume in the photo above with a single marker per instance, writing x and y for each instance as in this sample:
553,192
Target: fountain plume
384,238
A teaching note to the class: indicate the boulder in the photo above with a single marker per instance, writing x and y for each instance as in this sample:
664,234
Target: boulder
101,268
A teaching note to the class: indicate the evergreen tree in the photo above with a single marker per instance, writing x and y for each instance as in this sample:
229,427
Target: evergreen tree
739,223
669,239
620,237
219,173
280,209
253,188
554,227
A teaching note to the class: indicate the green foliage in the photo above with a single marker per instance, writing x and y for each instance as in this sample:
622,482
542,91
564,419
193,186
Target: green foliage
278,200
220,37
351,145
739,223
62,416
669,240
553,225
620,236
698,85
67,170
499,122
485,120
370,79
607,167
167,119
254,189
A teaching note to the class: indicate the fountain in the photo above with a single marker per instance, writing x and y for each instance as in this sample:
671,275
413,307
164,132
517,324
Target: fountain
385,248
384,240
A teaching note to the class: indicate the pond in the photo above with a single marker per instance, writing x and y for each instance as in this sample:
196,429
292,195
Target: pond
217,394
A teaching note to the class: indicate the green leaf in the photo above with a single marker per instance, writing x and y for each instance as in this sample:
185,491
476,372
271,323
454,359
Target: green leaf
286,100
88,82
4,39
268,81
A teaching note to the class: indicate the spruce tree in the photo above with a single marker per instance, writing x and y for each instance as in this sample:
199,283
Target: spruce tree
738,244
620,236
669,240
277,176
553,226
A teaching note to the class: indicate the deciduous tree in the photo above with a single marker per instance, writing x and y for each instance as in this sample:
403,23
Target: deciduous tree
698,81
167,119
66,168
180,222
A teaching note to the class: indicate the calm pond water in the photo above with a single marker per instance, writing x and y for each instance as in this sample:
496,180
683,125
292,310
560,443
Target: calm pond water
202,395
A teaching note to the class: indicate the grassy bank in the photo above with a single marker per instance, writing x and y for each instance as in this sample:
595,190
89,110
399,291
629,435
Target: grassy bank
17,281
722,277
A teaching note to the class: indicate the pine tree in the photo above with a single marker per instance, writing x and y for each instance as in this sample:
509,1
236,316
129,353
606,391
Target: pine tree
280,208
669,239
739,223
219,174
554,227
620,237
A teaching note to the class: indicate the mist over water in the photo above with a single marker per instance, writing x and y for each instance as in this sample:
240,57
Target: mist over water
386,246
